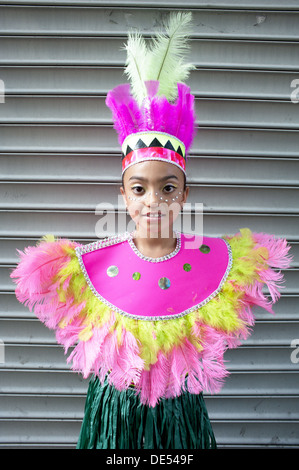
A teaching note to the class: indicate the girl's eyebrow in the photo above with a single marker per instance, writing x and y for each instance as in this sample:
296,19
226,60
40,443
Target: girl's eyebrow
145,179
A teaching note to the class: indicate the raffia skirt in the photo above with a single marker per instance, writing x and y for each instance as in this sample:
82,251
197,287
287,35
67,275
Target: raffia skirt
117,420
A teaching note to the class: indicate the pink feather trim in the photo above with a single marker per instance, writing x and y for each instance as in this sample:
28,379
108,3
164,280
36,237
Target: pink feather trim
186,369
106,350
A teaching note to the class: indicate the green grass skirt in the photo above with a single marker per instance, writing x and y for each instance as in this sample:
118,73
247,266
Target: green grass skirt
117,420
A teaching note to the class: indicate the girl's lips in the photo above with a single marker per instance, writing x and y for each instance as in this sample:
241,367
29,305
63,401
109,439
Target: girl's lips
150,217
153,215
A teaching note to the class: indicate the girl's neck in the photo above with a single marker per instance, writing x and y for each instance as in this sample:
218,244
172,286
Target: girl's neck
155,246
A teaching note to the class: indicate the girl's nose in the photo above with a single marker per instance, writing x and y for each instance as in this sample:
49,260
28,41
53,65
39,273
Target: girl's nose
152,197
156,198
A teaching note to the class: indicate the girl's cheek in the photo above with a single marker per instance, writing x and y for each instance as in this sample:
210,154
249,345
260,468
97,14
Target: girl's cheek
174,210
135,210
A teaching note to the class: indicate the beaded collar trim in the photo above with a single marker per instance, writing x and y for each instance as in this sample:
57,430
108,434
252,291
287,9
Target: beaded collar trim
162,258
127,237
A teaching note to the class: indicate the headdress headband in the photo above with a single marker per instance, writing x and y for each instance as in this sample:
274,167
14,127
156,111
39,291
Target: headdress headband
153,145
155,118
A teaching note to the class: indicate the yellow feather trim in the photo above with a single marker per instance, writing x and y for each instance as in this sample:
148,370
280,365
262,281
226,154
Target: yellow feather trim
152,337
86,334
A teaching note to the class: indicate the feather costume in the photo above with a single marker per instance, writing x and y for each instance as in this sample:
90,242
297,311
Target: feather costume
151,331
154,350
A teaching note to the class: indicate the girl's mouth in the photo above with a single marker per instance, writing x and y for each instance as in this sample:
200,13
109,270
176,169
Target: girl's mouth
153,215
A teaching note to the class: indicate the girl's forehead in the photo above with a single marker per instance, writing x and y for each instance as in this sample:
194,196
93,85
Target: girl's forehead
153,171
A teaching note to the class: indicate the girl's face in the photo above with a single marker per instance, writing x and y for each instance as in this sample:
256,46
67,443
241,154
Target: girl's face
154,195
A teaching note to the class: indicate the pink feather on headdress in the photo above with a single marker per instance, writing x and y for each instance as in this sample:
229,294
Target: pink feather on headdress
156,113
127,116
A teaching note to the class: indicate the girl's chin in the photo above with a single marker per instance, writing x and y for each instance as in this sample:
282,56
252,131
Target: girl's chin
155,227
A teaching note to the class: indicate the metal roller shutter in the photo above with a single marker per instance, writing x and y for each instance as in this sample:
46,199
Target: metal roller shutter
59,158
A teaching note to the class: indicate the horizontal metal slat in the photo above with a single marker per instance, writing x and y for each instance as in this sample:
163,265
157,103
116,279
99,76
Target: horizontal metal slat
68,80
274,333
10,307
199,4
252,408
42,382
219,408
273,358
291,280
233,433
12,446
9,254
239,113
282,383
92,110
226,440
42,407
63,167
30,332
22,355
265,55
103,139
257,434
83,225
35,357
39,432
26,331
200,169
88,196
285,309
116,21
261,383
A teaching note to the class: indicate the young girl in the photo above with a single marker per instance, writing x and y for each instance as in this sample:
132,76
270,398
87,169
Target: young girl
151,312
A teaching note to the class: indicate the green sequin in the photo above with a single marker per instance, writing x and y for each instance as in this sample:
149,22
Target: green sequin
187,267
136,276
204,248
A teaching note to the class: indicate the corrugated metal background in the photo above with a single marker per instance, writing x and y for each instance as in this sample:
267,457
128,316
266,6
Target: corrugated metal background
59,158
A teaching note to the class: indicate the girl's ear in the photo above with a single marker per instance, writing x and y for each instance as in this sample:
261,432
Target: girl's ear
122,191
186,194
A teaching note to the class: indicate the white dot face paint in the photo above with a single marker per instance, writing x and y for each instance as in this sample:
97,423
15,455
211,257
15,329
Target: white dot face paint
154,196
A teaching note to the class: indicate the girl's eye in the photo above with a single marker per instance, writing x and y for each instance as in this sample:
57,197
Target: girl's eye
137,189
169,188
140,190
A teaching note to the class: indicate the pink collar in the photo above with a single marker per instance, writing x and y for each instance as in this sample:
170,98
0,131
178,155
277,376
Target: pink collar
155,288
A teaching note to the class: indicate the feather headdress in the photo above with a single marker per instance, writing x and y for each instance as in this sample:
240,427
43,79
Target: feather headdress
154,114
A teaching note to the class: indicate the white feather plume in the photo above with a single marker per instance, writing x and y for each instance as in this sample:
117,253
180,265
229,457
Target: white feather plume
136,64
163,60
166,57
